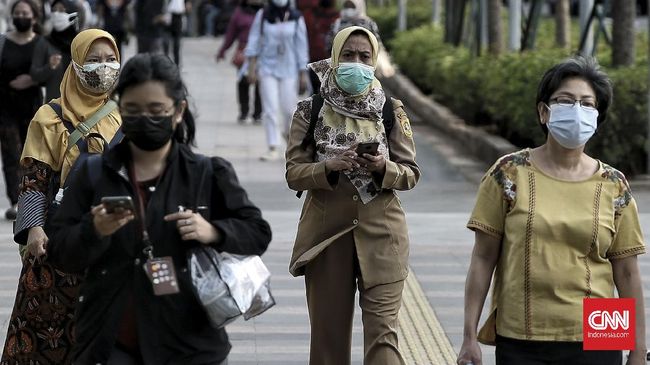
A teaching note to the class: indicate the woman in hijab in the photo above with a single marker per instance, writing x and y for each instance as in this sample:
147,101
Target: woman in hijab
277,55
41,328
51,59
352,231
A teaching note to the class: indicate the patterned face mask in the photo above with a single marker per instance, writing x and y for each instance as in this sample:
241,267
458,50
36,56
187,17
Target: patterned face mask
97,77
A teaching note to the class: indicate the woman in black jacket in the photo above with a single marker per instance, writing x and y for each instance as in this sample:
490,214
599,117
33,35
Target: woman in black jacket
181,200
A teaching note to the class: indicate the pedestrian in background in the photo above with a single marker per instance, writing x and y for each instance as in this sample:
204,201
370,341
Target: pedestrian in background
52,58
554,226
352,231
114,17
277,53
238,29
41,326
319,15
353,13
176,10
150,23
212,9
20,94
121,320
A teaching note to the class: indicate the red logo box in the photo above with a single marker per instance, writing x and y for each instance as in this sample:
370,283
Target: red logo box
608,324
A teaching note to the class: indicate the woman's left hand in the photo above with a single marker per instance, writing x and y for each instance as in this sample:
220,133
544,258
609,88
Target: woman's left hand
192,226
376,163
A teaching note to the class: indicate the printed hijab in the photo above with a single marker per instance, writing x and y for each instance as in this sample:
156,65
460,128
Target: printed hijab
345,120
77,103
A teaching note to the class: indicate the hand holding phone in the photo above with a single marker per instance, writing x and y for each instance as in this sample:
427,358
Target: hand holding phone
367,147
115,203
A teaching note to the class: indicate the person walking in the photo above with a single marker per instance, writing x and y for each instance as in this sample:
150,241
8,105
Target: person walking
238,29
319,15
353,14
121,320
150,22
176,10
352,231
20,94
52,58
277,55
554,226
41,326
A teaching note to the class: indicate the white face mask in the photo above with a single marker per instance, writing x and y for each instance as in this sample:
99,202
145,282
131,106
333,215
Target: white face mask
280,3
349,13
61,21
572,126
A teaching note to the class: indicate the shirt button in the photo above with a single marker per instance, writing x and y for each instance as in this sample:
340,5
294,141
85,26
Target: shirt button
355,197
137,262
356,221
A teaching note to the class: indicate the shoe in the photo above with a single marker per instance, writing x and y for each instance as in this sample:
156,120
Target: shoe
257,121
270,155
11,213
241,119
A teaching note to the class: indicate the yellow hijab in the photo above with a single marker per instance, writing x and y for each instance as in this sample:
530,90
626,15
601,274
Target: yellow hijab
343,35
47,137
77,103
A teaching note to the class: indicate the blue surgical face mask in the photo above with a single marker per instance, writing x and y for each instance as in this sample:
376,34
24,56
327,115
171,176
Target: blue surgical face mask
353,77
572,126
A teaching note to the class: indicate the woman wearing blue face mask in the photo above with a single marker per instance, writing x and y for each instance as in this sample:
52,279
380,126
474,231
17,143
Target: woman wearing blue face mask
555,226
352,228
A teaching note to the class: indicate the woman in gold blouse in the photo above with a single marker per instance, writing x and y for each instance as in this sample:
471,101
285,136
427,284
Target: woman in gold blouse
555,226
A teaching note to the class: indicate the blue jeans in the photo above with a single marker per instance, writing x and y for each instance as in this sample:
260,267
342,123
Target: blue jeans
212,12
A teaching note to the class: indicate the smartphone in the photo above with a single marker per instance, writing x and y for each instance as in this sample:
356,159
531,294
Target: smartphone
367,147
111,203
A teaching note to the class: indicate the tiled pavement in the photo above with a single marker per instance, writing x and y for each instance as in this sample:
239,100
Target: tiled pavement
436,211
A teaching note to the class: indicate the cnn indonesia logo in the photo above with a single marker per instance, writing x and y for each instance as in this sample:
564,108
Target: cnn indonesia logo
608,324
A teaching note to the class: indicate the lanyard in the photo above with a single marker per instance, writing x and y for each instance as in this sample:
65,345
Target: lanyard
148,249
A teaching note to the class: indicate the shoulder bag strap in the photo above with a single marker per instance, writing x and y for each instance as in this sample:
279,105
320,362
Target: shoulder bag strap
83,129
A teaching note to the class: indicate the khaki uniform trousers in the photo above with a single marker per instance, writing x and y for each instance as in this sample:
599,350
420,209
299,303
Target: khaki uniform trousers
330,283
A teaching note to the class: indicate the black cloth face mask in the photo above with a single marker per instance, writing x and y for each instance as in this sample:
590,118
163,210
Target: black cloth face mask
22,24
147,133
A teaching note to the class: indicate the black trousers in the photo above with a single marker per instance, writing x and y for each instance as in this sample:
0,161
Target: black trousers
243,97
149,44
13,132
520,352
175,31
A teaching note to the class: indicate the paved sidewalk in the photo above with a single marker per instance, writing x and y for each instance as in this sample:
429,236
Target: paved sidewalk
437,211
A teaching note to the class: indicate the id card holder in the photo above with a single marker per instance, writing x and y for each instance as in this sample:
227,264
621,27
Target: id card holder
161,274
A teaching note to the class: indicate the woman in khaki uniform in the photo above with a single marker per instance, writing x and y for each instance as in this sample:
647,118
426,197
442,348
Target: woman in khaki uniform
352,230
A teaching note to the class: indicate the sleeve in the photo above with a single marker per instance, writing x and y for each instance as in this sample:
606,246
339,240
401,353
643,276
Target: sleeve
32,199
402,172
490,209
628,239
231,33
302,173
40,69
74,243
241,228
254,44
302,46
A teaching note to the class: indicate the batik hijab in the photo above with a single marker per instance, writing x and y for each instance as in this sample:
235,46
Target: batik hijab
346,120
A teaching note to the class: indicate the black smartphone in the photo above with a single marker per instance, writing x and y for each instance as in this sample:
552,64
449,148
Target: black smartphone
367,147
111,203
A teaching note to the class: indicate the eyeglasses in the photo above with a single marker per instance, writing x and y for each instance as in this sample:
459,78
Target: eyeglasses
588,104
154,117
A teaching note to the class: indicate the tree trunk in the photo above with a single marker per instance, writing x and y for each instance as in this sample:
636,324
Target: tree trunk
562,24
495,35
623,15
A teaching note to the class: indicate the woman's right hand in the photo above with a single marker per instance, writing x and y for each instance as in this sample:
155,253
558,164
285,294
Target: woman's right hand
470,353
37,241
55,61
108,223
345,161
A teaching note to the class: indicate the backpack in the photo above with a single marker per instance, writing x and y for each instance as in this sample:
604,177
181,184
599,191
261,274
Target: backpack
316,105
